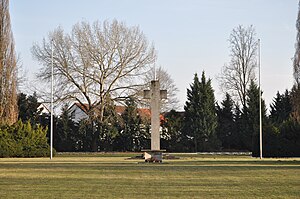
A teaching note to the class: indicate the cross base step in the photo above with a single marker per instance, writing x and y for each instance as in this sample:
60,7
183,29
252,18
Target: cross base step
153,155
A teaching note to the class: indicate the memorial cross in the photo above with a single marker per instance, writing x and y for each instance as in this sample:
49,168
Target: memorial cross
155,95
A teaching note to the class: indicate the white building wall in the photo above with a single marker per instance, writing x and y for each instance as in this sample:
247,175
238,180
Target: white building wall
77,114
45,108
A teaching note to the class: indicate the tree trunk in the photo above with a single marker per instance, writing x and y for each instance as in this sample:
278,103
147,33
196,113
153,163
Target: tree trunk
99,118
8,68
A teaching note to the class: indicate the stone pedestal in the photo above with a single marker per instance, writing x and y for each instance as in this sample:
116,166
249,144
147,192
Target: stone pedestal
153,155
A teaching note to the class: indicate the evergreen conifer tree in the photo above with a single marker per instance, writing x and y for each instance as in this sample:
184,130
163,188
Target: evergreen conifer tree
66,132
131,133
226,125
238,128
250,116
108,129
28,108
281,108
200,115
172,139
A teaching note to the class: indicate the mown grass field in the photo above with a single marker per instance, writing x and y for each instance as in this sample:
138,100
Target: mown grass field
115,176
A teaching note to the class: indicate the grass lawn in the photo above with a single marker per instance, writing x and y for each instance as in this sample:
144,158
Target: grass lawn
115,176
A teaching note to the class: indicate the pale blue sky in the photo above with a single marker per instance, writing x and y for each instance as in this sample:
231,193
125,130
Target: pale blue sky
189,35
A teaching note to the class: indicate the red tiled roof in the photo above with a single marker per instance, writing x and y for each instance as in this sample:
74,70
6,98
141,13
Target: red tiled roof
84,107
143,112
120,109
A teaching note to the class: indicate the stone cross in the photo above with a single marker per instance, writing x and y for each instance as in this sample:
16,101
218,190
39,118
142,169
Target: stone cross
155,95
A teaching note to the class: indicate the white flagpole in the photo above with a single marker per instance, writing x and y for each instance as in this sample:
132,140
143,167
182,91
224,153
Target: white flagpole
260,111
51,122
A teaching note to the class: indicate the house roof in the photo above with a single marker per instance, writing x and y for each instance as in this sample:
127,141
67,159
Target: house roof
143,112
120,109
84,107
45,106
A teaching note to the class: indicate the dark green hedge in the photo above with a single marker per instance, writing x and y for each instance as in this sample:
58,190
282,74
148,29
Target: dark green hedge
282,141
22,140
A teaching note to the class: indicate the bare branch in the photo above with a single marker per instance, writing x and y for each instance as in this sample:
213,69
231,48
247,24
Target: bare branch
166,83
95,61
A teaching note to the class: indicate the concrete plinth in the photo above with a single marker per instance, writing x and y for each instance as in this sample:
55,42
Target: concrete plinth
153,155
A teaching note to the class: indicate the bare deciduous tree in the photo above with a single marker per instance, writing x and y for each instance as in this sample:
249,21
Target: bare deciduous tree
295,99
296,63
236,76
166,83
95,63
8,68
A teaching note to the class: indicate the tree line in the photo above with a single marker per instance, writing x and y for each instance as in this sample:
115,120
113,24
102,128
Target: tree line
106,63
203,126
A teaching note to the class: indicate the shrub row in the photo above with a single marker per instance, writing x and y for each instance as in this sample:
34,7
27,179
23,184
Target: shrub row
282,141
22,140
